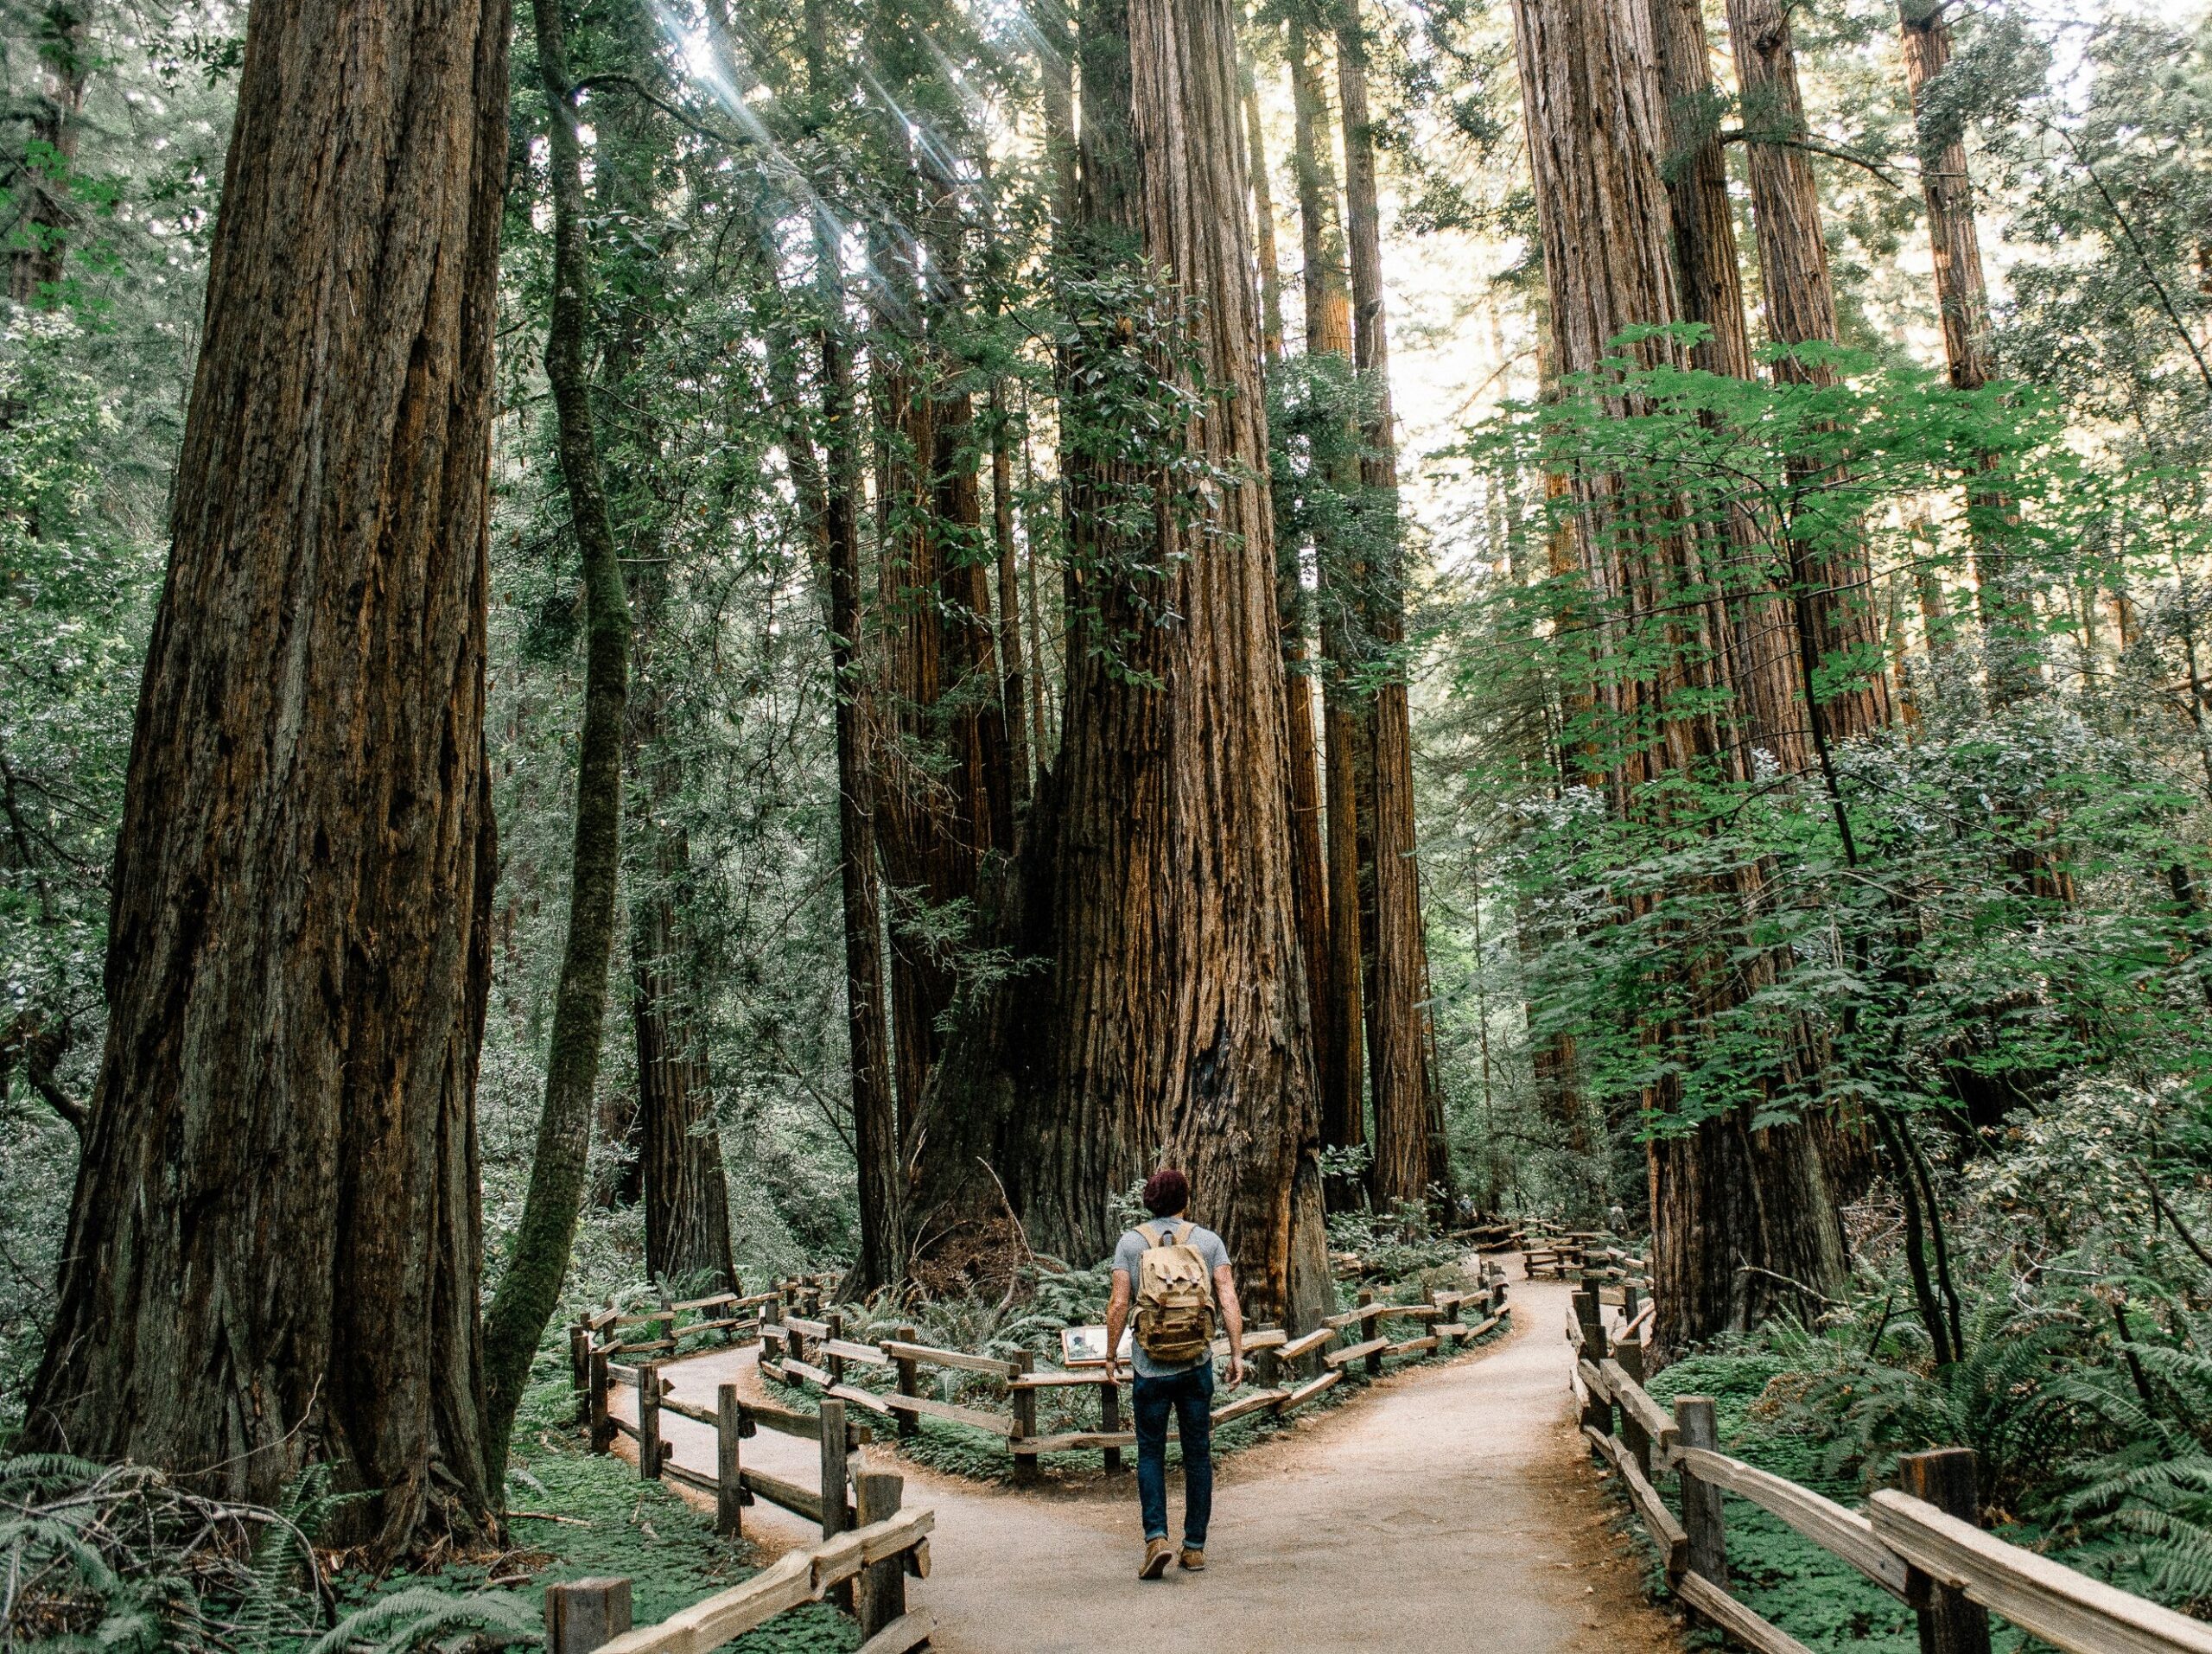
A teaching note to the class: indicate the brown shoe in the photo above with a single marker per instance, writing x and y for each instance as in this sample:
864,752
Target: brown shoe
1157,1554
1193,1561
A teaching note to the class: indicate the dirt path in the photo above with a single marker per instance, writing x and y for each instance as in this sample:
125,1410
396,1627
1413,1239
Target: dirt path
1453,1508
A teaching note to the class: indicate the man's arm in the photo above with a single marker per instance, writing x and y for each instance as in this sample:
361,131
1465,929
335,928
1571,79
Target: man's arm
1232,1318
1117,1317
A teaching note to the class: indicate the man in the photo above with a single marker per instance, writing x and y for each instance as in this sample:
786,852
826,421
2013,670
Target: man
1170,1378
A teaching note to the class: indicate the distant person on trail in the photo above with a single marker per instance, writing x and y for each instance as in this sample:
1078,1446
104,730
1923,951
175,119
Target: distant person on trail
1177,1273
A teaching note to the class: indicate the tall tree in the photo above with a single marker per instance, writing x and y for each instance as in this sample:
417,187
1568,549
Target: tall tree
1760,632
274,1250
537,1259
1337,989
55,121
1171,1014
1833,598
1734,1203
1412,1154
1962,297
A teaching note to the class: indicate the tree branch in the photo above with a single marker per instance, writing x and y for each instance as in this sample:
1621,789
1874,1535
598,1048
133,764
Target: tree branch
1811,146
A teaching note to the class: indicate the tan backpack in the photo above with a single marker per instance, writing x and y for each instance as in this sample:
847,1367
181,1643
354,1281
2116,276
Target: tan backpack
1174,1296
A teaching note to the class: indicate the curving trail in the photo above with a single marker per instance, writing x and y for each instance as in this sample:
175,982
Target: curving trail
1452,1508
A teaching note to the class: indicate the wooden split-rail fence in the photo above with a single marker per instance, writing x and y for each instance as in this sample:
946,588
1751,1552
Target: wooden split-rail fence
1288,1373
1923,1543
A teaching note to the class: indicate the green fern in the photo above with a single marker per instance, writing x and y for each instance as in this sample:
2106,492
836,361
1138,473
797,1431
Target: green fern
421,1615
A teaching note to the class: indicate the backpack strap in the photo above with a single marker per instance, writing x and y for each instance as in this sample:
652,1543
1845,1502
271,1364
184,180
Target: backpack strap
1152,1233
1183,1232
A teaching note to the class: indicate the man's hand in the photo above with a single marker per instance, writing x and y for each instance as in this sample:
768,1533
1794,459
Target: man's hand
1235,1370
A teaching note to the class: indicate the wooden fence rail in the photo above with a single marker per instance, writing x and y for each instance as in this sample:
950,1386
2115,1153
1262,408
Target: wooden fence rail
872,1561
799,1349
1923,1544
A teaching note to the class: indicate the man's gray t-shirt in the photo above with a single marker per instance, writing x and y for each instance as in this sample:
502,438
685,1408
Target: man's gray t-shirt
1129,1255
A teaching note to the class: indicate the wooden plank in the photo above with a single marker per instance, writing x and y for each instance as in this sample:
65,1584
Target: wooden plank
802,1576
1343,1357
2042,1597
1735,1619
807,1328
904,1634
675,1472
622,1375
799,1501
845,1349
1658,1423
1843,1533
1090,1377
867,1398
1258,1401
1593,1381
1311,1341
645,1348
793,1367
1360,1316
935,1358
1658,1521
1269,1339
1307,1392
688,1410
624,1426
1080,1441
1484,1327
784,1420
1413,1345
997,1423
715,1302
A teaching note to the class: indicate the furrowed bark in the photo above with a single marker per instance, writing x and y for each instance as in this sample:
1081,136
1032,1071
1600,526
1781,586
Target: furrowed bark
1412,1154
54,120
274,1246
538,1256
1732,1207
1839,601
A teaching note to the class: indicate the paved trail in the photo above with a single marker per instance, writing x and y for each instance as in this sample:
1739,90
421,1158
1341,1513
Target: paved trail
1452,1509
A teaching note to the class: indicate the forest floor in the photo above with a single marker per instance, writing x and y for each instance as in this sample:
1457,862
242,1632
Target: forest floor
1453,1507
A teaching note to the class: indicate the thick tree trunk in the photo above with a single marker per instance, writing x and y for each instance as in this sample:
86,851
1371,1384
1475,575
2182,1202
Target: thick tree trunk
539,1256
1263,217
1732,1207
1309,868
1340,1042
1761,633
1412,1154
1172,1014
829,489
685,1187
41,238
1837,596
274,1248
2012,661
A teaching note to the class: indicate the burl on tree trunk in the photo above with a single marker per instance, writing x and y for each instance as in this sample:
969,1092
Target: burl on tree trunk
273,1251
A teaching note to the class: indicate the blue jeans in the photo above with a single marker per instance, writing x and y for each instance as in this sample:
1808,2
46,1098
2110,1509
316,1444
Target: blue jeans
1189,1396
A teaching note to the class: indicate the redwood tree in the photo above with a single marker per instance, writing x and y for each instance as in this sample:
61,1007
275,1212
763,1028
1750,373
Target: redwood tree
273,1254
1734,1205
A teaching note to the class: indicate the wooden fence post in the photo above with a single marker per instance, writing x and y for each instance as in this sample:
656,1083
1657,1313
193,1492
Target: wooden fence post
602,1426
1947,1479
834,1364
1631,1300
729,1475
1265,1366
877,1495
1367,1331
1695,1427
1110,1421
1596,1410
771,1314
910,1424
1633,1437
1025,1421
585,1614
833,1469
580,1368
649,1421
668,1319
